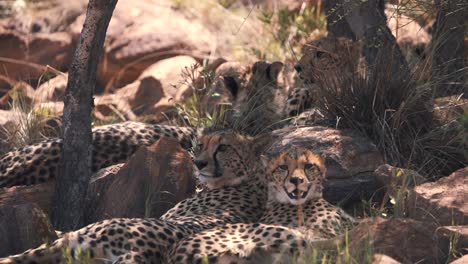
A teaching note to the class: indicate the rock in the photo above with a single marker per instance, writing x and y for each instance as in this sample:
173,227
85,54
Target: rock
443,201
383,259
405,240
137,38
155,91
24,51
394,178
43,16
98,186
51,90
462,260
153,180
39,194
23,226
21,92
109,107
410,36
52,108
169,73
454,238
350,158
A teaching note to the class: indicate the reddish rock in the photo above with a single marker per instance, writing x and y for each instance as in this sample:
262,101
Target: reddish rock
410,36
137,38
155,91
52,108
54,49
351,159
40,195
153,180
23,226
169,73
454,239
443,201
109,107
462,260
405,240
51,90
383,259
22,91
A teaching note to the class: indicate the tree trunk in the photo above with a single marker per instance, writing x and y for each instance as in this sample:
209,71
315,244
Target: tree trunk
448,70
336,22
368,22
75,170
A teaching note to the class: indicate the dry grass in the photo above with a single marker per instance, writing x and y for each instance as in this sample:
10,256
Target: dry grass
396,114
30,124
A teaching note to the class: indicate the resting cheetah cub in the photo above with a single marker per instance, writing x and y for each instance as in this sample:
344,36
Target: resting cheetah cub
295,214
112,144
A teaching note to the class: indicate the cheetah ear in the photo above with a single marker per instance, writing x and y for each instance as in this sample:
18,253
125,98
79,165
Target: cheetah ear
231,85
274,69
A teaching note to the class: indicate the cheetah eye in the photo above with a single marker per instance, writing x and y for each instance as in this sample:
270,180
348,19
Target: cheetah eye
283,167
319,54
222,147
200,146
308,166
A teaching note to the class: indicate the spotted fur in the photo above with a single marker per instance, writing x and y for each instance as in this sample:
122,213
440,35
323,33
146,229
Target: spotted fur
326,56
112,144
147,240
258,105
295,178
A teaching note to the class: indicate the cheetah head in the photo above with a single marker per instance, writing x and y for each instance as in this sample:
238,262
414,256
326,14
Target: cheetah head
325,55
294,176
225,158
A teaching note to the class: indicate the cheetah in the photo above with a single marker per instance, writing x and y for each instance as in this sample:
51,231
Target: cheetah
255,97
296,214
229,78
224,156
112,144
324,59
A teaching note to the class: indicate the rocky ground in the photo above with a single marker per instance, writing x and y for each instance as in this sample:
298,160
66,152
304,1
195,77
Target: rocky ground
406,217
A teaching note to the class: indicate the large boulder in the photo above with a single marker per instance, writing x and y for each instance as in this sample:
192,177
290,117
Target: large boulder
155,91
153,180
410,35
51,90
54,49
350,158
23,226
454,236
405,240
142,33
462,260
443,201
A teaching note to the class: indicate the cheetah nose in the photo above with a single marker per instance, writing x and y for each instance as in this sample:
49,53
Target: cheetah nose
298,67
200,164
296,180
